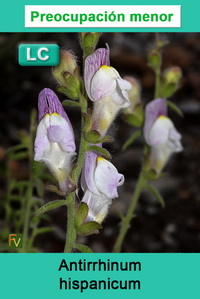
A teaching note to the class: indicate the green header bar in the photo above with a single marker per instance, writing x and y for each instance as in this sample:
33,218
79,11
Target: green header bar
12,16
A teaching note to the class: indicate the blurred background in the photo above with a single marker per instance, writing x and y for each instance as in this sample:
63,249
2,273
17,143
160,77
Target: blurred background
154,229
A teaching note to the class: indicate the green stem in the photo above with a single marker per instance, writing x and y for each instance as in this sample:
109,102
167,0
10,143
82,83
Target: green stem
82,151
28,202
83,143
71,231
157,84
127,219
158,69
70,200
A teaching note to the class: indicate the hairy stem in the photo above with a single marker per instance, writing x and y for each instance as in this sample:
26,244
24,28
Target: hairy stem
71,235
71,231
70,200
127,219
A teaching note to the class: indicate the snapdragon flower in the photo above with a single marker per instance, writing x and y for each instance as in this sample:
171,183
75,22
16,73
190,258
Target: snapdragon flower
54,143
160,134
105,88
100,180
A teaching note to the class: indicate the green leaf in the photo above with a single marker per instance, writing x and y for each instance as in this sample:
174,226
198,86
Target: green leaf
24,138
87,120
39,187
50,206
15,198
88,51
37,168
69,92
106,139
131,139
18,185
151,175
53,188
16,148
167,90
34,222
19,156
81,214
92,136
100,150
134,120
89,39
175,108
72,82
37,202
72,174
70,103
95,138
42,230
157,195
83,248
88,228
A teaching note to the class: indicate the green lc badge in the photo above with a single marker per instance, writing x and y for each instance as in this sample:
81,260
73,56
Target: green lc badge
38,54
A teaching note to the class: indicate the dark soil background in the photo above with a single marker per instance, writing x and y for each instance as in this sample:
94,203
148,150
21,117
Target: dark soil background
173,229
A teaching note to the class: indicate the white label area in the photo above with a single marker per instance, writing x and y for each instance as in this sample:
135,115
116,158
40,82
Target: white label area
102,16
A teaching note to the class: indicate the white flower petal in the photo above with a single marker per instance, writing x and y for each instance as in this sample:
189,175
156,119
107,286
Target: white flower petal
165,141
124,84
159,133
174,140
98,206
103,83
159,156
104,113
153,110
41,140
64,135
107,178
88,171
54,149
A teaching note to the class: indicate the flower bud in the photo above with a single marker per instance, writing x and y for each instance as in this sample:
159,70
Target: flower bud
89,39
67,74
170,81
172,75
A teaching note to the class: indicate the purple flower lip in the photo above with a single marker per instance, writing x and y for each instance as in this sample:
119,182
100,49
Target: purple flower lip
49,103
92,63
